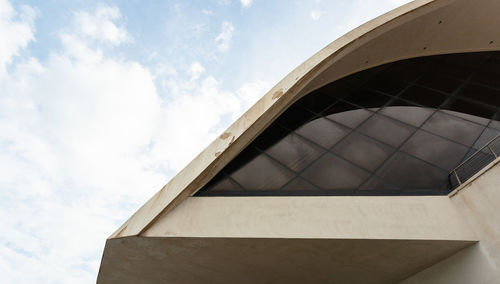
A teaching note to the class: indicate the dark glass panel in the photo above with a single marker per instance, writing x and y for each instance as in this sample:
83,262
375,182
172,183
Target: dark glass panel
376,183
262,174
495,124
385,83
481,94
323,132
339,107
454,128
351,118
363,151
247,155
407,71
469,117
360,78
316,102
357,164
410,173
488,74
338,90
225,184
333,173
299,184
470,108
408,114
487,135
435,150
270,136
439,82
424,96
295,152
295,117
450,66
366,98
386,130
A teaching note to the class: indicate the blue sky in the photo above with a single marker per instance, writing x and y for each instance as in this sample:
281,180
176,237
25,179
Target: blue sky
101,103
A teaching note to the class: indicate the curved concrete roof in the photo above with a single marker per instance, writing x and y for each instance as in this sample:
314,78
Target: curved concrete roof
419,28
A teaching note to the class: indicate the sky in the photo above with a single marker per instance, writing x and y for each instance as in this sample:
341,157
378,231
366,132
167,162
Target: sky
102,103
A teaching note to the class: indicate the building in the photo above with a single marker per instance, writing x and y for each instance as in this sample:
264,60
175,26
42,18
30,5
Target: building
375,161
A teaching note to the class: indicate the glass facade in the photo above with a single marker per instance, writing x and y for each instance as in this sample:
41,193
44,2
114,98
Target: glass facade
396,129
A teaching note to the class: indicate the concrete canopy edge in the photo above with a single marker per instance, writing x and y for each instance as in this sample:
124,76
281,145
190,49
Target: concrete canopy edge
371,44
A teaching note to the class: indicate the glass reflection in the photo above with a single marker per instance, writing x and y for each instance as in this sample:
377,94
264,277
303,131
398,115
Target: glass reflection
397,129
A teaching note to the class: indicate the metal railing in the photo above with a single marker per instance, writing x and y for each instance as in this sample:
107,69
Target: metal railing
473,164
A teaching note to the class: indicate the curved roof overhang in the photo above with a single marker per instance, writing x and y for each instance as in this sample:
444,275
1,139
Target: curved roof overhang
419,28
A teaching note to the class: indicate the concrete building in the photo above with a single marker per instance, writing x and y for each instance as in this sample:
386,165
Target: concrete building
375,161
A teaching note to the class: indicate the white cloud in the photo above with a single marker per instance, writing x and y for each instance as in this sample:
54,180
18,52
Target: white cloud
223,40
246,3
101,25
197,111
316,14
86,139
16,30
195,70
75,132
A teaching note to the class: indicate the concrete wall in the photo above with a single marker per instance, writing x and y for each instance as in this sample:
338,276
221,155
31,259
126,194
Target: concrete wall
325,217
479,204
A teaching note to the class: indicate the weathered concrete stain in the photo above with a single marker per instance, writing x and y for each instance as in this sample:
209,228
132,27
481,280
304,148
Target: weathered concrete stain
277,94
225,135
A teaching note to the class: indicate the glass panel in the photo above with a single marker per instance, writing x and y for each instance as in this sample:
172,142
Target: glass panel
295,117
376,183
454,128
487,135
423,96
338,90
385,83
316,102
407,172
299,184
440,83
224,184
495,124
469,117
471,108
363,151
435,150
342,137
331,173
323,132
386,130
295,152
481,94
488,75
262,174
338,108
450,66
411,115
270,136
350,118
366,98
242,159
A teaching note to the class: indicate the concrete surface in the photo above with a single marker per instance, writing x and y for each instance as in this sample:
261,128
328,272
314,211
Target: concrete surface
479,204
243,260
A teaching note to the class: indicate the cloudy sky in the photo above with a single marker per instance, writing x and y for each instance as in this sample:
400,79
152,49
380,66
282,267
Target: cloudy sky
101,103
